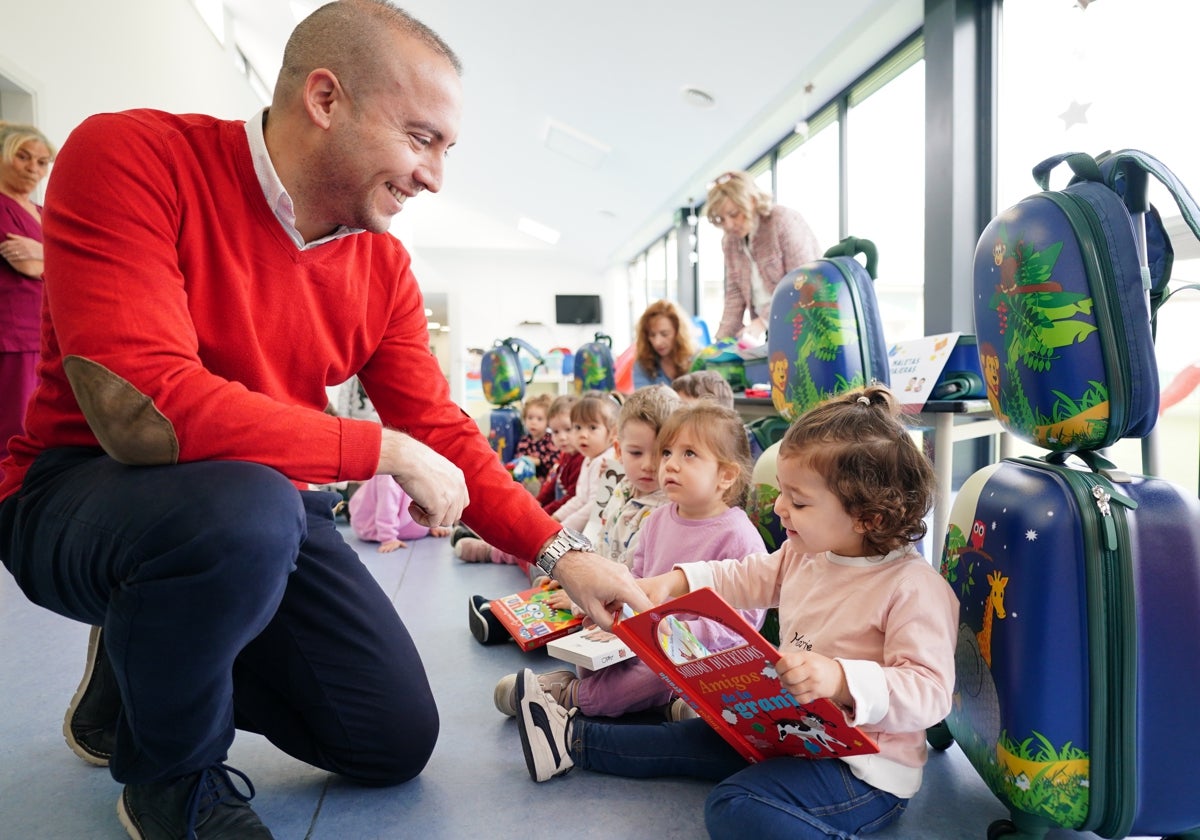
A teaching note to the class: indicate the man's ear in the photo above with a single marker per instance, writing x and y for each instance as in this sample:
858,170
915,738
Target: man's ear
322,95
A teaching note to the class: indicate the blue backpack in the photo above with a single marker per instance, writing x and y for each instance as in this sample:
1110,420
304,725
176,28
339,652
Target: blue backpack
1063,303
501,374
594,365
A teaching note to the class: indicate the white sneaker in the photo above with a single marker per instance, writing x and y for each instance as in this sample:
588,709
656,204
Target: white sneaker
555,683
544,726
678,709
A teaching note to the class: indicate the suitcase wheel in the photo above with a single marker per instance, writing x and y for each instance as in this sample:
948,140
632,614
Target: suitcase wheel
1008,829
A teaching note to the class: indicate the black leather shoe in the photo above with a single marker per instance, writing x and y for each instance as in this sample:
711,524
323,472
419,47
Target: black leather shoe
202,806
90,725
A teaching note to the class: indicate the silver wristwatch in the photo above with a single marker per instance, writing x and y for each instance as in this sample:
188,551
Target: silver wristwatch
567,539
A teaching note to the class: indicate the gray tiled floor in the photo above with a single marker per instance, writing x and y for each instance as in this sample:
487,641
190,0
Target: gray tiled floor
475,785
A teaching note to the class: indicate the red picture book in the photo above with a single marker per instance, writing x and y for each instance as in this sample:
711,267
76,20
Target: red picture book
711,657
531,621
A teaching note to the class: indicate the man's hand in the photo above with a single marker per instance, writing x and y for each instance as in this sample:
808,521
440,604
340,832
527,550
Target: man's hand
599,586
436,485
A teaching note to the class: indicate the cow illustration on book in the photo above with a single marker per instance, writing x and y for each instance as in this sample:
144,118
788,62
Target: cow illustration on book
810,729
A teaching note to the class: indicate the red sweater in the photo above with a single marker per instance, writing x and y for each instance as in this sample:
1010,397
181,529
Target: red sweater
166,267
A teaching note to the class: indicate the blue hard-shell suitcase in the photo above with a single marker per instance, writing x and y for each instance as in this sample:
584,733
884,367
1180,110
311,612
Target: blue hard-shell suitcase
1078,657
504,430
825,334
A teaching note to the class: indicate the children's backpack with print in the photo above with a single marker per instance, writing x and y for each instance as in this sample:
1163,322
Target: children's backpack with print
1062,303
594,365
501,373
825,335
504,381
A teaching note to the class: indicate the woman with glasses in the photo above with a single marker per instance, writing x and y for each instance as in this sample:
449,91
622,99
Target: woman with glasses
762,243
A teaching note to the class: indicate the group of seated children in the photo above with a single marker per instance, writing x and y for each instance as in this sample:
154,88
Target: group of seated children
687,469
865,622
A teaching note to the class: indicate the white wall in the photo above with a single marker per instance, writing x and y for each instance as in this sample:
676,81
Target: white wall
81,58
491,292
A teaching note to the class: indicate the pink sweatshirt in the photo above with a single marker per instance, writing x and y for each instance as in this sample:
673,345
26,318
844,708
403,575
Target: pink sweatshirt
892,623
379,512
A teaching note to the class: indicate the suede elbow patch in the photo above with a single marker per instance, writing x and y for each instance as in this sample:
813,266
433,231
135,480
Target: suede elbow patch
124,420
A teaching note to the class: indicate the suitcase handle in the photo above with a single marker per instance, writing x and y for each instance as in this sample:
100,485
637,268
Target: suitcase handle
851,247
1095,462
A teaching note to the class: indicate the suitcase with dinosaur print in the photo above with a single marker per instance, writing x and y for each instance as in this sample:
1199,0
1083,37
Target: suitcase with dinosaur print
825,334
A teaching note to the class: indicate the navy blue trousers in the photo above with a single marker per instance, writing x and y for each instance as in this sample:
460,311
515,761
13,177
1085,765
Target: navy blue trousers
228,600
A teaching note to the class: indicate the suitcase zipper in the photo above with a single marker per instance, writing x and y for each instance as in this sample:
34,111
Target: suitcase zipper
1083,219
1112,657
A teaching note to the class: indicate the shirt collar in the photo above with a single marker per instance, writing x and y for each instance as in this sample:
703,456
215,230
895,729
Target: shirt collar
277,196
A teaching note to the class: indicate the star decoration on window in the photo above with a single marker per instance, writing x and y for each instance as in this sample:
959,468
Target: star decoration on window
1076,114
1031,535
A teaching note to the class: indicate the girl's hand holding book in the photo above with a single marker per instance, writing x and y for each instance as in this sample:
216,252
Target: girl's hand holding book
659,588
810,676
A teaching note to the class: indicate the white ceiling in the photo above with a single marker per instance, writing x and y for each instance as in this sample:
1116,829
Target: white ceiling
612,72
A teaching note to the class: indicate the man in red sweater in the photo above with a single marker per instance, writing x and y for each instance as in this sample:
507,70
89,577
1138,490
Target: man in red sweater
207,279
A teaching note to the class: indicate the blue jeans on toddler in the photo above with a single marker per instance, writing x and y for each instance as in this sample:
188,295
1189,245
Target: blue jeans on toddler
792,798
228,599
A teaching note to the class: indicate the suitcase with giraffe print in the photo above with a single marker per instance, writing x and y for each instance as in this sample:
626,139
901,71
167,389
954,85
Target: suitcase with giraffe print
1076,665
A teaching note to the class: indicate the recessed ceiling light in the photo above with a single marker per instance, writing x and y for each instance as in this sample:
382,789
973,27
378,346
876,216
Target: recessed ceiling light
698,98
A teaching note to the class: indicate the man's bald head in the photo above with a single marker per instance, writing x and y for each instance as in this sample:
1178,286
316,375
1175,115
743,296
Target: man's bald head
351,39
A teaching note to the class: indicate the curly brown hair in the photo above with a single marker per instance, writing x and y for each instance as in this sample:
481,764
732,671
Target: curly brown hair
681,353
859,444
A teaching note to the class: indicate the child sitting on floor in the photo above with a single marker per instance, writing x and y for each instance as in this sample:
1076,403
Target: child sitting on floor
536,444
564,473
635,496
379,513
854,491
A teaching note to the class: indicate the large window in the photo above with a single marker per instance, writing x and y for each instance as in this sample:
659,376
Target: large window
806,175
884,128
1111,76
886,190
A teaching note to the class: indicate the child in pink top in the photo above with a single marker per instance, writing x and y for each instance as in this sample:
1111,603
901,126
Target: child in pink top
864,621
379,513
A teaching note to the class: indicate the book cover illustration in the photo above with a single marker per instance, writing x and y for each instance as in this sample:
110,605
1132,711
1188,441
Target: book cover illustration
592,648
735,687
531,621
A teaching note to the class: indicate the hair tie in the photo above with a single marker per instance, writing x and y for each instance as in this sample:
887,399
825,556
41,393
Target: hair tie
864,400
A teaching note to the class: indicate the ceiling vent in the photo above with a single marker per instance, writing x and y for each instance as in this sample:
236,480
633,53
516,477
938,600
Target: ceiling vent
576,145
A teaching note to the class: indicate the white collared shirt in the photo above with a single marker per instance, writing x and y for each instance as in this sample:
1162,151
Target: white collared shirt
276,195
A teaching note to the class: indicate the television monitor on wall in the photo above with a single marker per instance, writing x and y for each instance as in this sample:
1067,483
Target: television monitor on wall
577,309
